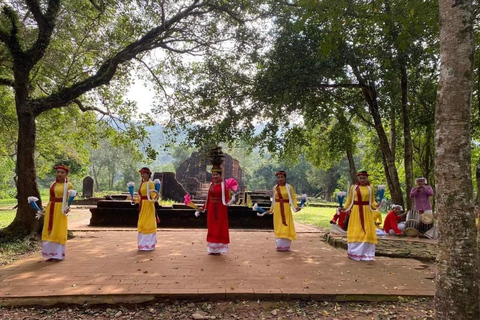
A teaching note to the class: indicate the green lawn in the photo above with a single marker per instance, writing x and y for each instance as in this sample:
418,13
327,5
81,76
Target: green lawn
9,203
6,216
315,216
319,217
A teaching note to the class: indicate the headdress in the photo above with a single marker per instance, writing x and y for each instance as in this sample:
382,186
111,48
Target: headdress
281,172
63,167
216,159
146,170
422,178
362,173
395,206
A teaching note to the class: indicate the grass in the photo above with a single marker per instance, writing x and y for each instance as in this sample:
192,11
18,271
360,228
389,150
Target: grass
167,203
6,217
319,217
8,202
315,216
12,250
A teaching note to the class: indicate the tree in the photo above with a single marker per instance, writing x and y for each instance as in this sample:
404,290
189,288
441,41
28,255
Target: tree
179,154
457,287
110,162
91,45
354,59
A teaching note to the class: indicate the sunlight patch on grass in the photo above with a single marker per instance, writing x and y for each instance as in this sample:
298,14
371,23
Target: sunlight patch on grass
6,217
315,216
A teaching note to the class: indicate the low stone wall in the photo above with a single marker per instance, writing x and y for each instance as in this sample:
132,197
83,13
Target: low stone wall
110,213
86,202
421,249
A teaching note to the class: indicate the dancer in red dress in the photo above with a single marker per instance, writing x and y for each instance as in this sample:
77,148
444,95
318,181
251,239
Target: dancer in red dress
217,217
216,205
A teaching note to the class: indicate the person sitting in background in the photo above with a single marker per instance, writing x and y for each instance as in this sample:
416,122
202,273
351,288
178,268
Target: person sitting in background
339,221
391,224
377,218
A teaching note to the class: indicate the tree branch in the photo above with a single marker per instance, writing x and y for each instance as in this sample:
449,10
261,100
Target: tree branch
108,69
341,85
162,7
34,8
46,25
7,82
100,7
153,75
85,109
10,39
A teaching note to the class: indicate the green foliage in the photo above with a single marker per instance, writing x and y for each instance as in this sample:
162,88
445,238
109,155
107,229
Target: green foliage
113,166
179,154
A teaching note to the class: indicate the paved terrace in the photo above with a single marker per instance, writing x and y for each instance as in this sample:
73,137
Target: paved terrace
104,266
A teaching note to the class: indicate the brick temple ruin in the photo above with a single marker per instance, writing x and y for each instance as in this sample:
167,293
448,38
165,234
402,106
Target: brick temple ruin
194,174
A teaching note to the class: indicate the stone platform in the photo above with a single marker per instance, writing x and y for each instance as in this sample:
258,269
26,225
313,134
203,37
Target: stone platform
394,246
109,213
105,267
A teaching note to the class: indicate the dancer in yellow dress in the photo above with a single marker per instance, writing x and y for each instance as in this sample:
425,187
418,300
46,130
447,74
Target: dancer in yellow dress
284,200
361,233
55,225
147,220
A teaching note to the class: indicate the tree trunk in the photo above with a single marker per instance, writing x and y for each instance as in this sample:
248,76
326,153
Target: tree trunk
429,160
477,176
352,170
427,173
112,178
393,129
25,222
388,158
457,291
95,177
407,137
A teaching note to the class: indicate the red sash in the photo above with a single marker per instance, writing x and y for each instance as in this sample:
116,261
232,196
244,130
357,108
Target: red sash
281,201
360,205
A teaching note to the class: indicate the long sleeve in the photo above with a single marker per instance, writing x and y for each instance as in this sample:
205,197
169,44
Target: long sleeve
151,186
413,192
70,186
429,190
335,217
294,196
349,201
391,223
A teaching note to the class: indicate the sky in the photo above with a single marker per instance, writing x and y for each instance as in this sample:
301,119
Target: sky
143,94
